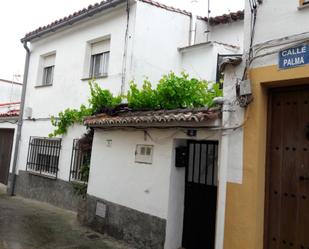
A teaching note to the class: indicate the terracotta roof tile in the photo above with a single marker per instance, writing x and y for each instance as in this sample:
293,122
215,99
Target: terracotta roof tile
199,117
227,18
86,12
9,114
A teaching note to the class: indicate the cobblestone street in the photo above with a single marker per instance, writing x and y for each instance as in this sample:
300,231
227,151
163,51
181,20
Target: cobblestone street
27,224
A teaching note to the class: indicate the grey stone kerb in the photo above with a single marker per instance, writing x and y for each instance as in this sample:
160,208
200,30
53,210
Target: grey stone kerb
143,231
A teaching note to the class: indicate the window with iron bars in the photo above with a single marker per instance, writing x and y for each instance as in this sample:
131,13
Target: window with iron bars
79,163
43,156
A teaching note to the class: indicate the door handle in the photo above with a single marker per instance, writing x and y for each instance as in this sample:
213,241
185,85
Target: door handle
303,178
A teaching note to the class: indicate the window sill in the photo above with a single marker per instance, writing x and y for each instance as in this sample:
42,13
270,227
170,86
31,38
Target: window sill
40,86
95,78
44,175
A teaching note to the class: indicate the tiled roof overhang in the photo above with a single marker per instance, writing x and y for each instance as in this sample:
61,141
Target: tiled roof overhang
108,4
156,119
227,18
10,114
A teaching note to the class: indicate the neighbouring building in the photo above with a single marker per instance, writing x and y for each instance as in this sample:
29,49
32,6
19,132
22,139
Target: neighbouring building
10,95
268,208
135,192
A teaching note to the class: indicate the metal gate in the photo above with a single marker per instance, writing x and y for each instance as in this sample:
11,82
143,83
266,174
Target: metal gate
6,143
200,195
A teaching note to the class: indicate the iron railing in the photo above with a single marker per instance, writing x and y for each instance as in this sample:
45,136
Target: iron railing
78,160
43,156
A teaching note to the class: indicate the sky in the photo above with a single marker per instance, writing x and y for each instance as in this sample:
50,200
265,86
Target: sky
19,17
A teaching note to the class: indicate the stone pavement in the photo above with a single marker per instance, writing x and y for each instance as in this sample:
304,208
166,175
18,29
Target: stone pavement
26,224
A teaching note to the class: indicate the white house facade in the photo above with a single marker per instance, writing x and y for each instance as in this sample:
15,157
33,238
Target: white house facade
139,199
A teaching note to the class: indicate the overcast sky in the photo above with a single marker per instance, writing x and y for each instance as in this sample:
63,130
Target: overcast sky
19,17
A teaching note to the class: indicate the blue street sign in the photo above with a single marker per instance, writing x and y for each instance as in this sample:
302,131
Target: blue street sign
294,57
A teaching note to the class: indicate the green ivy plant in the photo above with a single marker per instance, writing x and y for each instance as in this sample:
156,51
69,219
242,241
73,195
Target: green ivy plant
144,98
172,92
99,100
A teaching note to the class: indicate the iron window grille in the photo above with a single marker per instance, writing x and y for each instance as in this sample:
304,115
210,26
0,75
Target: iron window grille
78,160
48,75
43,156
99,65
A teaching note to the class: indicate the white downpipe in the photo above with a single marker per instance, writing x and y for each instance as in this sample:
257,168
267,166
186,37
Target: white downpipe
193,22
193,29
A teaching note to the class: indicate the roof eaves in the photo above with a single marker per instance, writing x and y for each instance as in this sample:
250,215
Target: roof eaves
227,18
10,82
71,19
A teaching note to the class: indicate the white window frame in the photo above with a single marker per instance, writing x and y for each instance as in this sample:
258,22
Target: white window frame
46,69
48,75
102,67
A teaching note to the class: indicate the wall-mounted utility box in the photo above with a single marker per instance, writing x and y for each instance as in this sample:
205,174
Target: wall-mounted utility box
181,155
245,87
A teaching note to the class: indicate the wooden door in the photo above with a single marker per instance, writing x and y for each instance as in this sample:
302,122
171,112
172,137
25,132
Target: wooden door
200,196
287,196
6,143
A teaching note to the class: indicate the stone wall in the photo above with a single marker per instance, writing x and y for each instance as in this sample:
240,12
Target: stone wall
141,230
53,191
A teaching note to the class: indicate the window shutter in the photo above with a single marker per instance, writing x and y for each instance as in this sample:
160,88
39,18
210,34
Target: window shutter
100,47
49,60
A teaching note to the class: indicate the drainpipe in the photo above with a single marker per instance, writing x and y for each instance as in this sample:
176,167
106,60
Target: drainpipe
11,190
124,57
193,23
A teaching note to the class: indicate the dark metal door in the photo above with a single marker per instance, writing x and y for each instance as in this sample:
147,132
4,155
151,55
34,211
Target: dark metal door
287,196
6,142
200,195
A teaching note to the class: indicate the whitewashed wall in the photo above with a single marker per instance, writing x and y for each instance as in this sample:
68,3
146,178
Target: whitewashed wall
230,33
158,34
201,61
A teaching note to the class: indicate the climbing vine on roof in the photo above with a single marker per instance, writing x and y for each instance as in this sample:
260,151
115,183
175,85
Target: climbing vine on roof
172,92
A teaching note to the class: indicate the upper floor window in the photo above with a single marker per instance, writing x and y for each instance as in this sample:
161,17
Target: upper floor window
48,69
99,59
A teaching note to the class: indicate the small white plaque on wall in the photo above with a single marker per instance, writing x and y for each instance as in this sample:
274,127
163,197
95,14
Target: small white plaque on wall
144,153
100,210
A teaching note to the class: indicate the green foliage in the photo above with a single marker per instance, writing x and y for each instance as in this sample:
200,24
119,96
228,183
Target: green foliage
84,170
173,92
141,99
67,118
101,100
